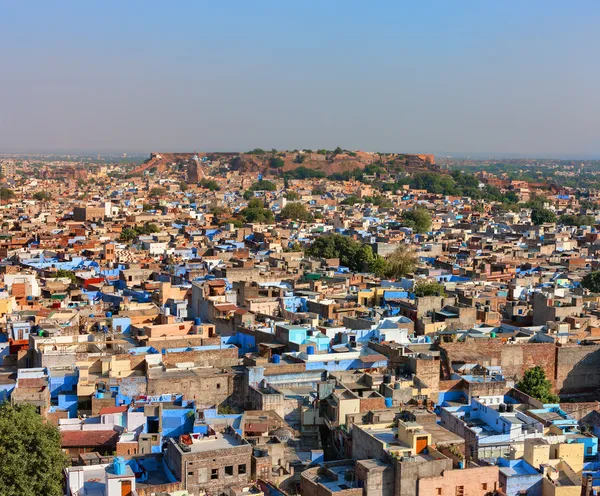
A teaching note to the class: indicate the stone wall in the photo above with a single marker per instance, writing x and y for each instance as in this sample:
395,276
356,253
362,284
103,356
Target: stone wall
577,369
514,359
219,358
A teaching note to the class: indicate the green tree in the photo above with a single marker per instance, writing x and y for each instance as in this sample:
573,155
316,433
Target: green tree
60,273
157,192
303,172
41,195
128,234
577,220
296,211
418,219
6,194
541,216
535,384
293,247
402,262
591,281
183,186
351,200
276,163
292,196
209,184
263,185
352,254
256,212
32,459
429,288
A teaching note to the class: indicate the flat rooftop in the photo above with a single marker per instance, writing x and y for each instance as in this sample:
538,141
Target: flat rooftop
211,443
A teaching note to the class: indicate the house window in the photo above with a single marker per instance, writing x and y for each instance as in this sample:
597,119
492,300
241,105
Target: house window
229,470
484,486
588,450
460,490
218,385
214,474
439,491
190,474
242,469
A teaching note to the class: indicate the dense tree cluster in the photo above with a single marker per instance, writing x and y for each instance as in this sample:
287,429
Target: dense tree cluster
256,212
130,233
356,256
418,219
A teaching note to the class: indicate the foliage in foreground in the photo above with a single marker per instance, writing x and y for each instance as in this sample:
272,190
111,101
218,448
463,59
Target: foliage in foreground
32,460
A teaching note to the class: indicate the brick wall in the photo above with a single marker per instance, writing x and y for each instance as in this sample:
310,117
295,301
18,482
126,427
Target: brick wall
127,449
367,404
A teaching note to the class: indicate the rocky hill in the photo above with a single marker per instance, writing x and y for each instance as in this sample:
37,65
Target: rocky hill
282,161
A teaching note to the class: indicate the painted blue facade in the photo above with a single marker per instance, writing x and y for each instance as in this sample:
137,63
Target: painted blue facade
517,476
68,402
65,382
176,422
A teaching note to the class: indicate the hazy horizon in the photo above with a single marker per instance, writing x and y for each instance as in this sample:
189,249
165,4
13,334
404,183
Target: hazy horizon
501,80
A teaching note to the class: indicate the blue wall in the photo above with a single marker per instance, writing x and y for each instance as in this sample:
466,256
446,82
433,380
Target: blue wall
68,402
62,384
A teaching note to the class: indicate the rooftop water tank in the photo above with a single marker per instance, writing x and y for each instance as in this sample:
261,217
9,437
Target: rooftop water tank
119,465
310,350
108,315
388,402
276,358
492,335
197,321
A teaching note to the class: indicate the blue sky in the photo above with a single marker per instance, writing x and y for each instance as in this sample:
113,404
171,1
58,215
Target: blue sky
504,77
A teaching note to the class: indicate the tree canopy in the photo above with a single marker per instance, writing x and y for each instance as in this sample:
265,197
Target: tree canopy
402,262
130,233
536,385
276,163
296,211
352,254
428,288
540,215
32,459
256,212
263,185
418,219
577,220
41,195
591,281
209,184
6,194
157,191
304,173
